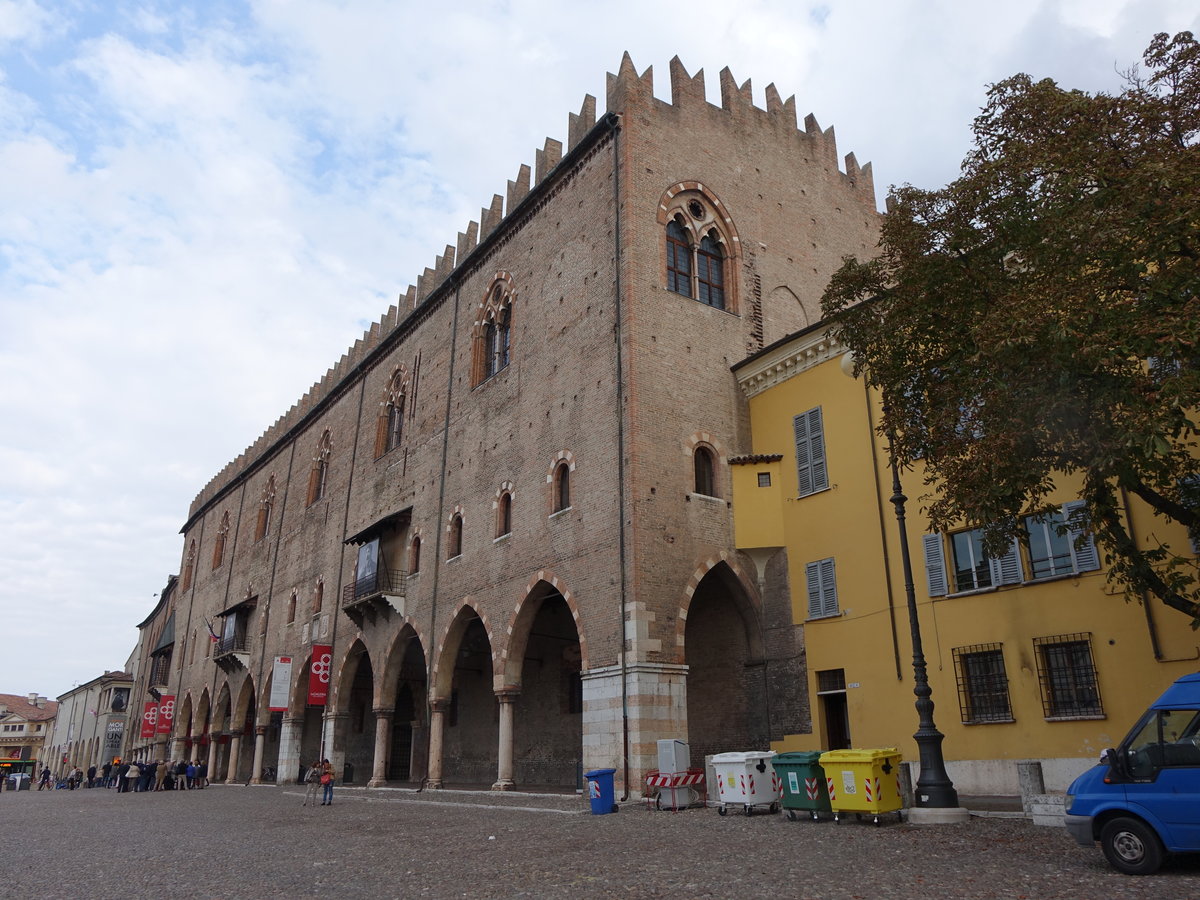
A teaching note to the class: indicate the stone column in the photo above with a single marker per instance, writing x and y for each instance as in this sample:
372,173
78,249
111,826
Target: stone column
290,736
437,719
213,736
235,750
418,760
180,745
335,742
260,740
504,775
383,746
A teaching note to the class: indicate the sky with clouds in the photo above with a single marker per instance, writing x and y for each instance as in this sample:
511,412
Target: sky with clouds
203,205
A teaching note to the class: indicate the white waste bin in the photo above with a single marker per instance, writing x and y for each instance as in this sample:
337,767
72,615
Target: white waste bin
746,779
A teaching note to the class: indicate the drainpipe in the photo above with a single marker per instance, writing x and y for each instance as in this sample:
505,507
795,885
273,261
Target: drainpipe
620,450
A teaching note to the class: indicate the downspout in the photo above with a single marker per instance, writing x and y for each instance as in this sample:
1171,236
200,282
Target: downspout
620,454
337,593
437,541
270,595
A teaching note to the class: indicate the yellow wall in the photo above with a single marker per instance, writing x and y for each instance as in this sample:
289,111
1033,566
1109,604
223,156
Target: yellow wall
854,522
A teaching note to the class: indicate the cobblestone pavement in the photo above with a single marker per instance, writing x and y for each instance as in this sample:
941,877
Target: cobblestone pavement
251,842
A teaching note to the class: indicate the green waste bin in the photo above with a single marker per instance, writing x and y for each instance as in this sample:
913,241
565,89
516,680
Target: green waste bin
804,786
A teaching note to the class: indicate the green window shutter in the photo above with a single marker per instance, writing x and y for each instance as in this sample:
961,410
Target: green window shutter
811,472
935,564
1007,568
1084,556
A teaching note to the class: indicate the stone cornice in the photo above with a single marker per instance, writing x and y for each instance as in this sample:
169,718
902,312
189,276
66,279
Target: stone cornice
786,360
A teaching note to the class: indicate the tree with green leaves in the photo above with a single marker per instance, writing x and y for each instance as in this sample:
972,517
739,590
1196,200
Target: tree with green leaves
1039,317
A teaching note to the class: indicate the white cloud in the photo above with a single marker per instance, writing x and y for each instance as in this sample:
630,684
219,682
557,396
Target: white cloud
204,202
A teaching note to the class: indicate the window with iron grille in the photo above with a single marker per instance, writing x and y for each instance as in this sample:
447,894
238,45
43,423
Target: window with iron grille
1067,676
982,684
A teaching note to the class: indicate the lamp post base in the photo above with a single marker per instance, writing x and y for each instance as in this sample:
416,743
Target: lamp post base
944,815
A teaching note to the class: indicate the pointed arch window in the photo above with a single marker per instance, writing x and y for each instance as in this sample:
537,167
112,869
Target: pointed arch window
320,469
493,332
414,556
700,245
390,430
222,536
705,476
504,514
562,487
265,504
189,566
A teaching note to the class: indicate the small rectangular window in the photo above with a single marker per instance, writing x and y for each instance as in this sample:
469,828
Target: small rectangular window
764,479
982,684
1067,676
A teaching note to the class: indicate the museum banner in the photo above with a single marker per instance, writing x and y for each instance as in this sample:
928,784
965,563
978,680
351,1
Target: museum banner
281,683
318,674
166,714
149,718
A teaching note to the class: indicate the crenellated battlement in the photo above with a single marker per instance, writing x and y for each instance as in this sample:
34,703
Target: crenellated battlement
626,90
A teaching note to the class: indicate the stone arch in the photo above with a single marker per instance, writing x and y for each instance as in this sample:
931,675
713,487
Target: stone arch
723,649
510,656
784,313
750,611
451,641
223,708
394,660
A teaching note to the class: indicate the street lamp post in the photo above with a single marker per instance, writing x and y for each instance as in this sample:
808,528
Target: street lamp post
936,800
933,790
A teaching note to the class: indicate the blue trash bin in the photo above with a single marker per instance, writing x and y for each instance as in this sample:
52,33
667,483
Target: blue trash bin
601,792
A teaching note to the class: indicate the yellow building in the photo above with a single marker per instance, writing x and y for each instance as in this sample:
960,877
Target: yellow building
1032,656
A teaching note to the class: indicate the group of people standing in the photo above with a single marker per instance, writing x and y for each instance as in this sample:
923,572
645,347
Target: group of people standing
319,777
148,775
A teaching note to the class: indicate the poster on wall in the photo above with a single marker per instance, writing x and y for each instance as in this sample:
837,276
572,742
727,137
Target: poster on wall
149,718
112,738
281,683
318,674
166,714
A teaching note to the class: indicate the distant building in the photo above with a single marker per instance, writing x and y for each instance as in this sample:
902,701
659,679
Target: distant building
1030,655
494,544
25,723
91,724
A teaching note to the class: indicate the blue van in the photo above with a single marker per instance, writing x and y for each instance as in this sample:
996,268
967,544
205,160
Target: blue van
1143,800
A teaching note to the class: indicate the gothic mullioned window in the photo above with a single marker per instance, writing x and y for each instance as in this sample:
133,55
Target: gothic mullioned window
390,429
700,245
265,504
222,536
493,330
320,469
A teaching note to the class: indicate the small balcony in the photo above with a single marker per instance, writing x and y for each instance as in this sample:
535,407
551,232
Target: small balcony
381,591
232,652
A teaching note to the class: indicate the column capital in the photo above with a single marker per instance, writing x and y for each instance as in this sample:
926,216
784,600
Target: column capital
508,694
260,729
384,712
439,704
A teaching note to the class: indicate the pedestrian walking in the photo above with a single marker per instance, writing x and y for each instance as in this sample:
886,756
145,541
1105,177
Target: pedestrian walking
312,780
202,774
160,773
44,782
91,776
190,775
133,778
327,782
106,771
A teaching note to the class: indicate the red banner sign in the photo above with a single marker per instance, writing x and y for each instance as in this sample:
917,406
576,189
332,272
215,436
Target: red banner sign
149,718
166,714
318,674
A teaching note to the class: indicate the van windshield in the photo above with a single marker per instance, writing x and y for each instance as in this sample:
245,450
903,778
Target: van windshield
1167,738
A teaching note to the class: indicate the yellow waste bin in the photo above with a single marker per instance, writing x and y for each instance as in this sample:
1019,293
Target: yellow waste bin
863,781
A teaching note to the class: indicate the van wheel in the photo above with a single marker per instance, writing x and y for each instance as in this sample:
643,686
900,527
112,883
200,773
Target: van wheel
1131,846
